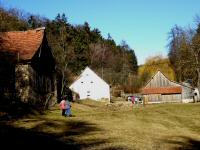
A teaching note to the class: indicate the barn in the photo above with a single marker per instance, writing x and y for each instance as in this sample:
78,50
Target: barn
27,67
162,90
90,85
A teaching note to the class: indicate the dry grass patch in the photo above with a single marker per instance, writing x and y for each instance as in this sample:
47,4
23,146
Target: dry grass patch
98,125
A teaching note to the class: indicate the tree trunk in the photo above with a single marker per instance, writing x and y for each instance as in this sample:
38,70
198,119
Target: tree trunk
197,69
198,78
63,78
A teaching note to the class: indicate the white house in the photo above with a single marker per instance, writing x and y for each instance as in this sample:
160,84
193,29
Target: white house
90,85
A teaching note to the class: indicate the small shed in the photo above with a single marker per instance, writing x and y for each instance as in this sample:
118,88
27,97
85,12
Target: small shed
27,66
161,90
90,85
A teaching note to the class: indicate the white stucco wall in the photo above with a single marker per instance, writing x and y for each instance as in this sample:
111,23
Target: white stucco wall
90,85
196,95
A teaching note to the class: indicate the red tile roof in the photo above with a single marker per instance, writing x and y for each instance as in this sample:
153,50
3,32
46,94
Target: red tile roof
24,43
162,90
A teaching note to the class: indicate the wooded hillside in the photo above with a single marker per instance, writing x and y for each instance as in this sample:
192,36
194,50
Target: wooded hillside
184,53
77,46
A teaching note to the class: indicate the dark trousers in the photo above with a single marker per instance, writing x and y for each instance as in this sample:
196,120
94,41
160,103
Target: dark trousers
63,112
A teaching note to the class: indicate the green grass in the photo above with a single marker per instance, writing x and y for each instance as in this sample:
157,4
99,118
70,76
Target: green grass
97,125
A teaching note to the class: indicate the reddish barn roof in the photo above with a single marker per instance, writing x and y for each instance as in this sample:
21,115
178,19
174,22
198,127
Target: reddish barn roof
162,90
24,43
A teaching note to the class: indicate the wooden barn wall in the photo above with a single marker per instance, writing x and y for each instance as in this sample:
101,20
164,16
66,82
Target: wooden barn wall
187,93
32,87
163,98
7,81
171,98
153,98
159,80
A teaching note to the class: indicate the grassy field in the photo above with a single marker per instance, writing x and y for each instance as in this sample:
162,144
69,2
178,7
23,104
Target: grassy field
97,125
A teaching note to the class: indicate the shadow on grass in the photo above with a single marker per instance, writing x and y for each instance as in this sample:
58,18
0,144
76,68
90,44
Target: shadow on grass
26,139
39,137
184,143
20,138
17,109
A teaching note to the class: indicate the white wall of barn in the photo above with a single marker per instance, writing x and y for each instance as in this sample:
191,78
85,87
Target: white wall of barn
90,85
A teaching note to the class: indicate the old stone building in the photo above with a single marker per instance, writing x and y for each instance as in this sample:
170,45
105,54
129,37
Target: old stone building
27,67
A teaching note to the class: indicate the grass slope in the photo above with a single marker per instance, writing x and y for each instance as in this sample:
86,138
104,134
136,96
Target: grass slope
97,125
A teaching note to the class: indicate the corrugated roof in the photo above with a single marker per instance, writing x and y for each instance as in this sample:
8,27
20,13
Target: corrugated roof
162,90
24,43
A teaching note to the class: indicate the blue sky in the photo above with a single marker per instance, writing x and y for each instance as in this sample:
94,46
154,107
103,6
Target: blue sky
143,24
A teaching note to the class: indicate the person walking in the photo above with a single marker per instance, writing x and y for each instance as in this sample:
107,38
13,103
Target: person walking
68,109
132,102
63,105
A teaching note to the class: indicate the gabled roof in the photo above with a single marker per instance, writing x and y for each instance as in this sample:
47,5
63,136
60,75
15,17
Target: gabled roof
23,43
91,71
158,71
